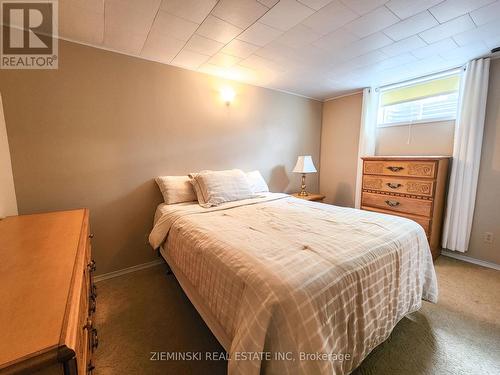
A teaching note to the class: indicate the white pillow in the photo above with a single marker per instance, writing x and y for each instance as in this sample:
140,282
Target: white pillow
257,182
176,189
217,187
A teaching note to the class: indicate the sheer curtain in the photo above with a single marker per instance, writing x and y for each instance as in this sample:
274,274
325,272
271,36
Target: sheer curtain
466,156
367,135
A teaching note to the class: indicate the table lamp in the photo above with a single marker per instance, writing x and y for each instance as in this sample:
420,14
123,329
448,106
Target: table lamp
304,165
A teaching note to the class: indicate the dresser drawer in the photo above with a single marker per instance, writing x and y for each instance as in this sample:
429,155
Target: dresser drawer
425,169
399,185
397,204
424,222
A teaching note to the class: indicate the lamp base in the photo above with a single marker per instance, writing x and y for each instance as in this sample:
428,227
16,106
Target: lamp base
303,191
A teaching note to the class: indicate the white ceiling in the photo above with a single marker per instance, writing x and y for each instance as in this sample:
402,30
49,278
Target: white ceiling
316,48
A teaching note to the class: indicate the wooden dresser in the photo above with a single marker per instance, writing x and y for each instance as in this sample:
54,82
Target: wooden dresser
413,187
47,294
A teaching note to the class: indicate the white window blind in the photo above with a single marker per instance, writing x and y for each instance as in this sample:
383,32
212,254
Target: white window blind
434,99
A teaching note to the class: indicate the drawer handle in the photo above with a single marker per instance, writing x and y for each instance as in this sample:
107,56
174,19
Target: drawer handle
393,185
93,292
91,266
95,339
395,169
392,203
89,325
91,235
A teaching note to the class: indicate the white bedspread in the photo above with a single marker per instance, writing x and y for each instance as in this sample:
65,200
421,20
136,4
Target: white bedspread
304,279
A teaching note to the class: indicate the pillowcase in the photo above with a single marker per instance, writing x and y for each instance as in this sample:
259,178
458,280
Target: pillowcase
176,189
216,187
257,182
196,188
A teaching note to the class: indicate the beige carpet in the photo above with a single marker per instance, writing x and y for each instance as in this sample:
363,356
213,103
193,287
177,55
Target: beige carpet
147,311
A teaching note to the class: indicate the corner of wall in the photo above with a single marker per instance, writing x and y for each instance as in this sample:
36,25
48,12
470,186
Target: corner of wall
8,203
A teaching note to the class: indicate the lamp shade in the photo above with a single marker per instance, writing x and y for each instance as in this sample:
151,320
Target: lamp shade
304,165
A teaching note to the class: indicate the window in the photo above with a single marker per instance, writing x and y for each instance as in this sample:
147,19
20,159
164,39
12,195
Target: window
432,99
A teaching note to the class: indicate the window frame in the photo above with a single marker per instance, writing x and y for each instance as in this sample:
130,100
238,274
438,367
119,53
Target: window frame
416,81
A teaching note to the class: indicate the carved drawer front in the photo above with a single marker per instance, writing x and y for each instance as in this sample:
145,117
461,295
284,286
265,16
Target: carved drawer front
426,169
424,222
397,204
399,185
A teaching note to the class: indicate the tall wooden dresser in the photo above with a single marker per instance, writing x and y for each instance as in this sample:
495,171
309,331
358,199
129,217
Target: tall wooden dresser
47,294
413,187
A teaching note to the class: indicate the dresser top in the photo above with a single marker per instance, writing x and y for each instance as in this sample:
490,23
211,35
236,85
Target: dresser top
405,157
37,257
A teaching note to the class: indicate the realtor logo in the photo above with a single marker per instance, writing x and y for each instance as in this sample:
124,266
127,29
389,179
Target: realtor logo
29,30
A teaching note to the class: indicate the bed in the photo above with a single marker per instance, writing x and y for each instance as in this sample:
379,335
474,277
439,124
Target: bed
290,286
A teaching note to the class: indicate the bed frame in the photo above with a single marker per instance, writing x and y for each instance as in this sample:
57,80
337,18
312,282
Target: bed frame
198,302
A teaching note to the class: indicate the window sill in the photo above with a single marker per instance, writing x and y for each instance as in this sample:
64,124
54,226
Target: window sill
420,122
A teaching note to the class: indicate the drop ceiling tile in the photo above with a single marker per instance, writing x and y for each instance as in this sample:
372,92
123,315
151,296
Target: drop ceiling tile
173,26
192,10
286,14
450,9
240,48
370,58
260,63
219,30
281,54
435,48
405,45
486,14
189,59
365,45
124,40
395,61
335,40
447,29
407,8
161,47
268,3
466,53
81,23
298,36
330,18
411,26
481,33
224,60
259,34
241,13
372,22
136,17
493,42
363,6
314,57
203,45
316,4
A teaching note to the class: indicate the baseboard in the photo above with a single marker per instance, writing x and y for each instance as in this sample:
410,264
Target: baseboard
465,258
124,271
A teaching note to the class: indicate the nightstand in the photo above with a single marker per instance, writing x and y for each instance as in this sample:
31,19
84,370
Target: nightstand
310,197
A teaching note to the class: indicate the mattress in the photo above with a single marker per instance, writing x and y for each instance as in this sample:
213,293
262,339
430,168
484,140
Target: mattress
297,287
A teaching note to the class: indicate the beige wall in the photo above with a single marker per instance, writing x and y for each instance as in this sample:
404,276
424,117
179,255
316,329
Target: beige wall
341,134
95,132
487,210
339,149
8,205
